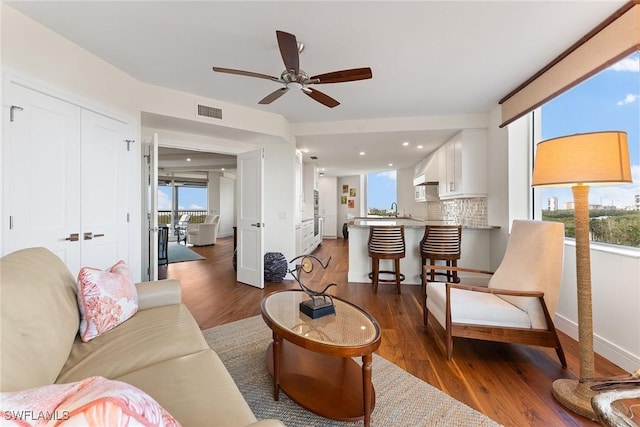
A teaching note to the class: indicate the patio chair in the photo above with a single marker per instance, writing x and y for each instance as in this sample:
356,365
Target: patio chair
520,301
181,228
205,233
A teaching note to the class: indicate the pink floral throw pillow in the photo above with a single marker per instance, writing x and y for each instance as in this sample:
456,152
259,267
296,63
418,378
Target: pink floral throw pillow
94,401
105,298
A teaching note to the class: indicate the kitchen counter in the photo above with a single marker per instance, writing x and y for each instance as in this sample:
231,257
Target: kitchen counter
365,222
474,252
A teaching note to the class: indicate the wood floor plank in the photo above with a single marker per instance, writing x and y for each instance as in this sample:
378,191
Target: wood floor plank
508,382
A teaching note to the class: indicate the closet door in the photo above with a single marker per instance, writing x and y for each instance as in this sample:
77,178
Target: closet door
41,175
106,181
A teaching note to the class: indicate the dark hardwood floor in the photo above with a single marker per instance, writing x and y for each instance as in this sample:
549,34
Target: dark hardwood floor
509,383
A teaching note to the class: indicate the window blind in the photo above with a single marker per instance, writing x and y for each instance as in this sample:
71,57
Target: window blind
617,37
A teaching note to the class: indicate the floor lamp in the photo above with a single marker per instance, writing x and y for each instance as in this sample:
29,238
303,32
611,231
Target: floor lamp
579,161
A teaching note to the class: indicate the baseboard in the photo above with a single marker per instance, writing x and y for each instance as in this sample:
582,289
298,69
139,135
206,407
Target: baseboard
619,356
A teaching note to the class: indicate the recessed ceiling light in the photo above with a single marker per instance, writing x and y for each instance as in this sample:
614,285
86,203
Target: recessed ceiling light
420,146
362,153
188,159
405,143
222,169
390,164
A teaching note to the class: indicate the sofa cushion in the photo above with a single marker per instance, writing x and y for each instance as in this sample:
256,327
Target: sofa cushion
94,401
196,389
149,337
477,308
105,299
39,318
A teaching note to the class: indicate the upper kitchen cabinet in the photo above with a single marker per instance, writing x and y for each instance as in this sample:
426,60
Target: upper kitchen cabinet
462,165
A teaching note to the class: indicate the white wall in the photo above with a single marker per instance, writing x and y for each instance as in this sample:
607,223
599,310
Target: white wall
329,201
227,206
498,185
407,204
344,212
615,277
50,62
279,190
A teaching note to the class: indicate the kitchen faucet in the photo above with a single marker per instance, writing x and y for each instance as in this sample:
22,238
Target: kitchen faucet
395,212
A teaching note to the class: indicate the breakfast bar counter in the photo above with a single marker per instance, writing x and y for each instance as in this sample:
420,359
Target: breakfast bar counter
474,253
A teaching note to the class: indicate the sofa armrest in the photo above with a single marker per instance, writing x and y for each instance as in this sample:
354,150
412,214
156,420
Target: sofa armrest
267,423
158,293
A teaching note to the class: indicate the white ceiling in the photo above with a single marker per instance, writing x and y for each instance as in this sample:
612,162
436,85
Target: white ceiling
429,58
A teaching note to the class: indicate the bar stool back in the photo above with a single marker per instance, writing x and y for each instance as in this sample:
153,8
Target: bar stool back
442,243
386,242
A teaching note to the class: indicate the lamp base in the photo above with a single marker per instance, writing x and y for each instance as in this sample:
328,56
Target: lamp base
574,396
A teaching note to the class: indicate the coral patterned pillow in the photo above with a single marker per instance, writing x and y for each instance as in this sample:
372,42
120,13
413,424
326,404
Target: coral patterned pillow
105,298
94,401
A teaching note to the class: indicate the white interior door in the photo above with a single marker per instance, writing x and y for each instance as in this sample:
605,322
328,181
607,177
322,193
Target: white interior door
250,258
106,183
41,175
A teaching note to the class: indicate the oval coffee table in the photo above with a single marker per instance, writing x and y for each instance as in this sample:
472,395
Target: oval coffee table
311,359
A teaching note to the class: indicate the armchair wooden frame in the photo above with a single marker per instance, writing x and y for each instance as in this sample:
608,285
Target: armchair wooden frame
539,337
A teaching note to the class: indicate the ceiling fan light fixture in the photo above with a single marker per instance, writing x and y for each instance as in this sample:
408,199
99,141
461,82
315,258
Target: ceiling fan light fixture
294,78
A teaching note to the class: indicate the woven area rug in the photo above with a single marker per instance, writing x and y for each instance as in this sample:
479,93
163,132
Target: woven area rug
180,253
402,400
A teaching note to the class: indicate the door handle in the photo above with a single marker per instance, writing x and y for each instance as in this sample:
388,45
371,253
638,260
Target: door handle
258,224
89,235
73,237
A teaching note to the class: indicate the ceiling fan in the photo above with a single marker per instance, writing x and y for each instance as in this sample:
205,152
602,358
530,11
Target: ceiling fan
294,78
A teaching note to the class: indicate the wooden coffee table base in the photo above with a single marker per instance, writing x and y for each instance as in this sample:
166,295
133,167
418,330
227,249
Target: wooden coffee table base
329,386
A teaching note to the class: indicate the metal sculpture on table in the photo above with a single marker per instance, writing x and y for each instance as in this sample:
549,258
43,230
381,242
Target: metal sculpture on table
321,303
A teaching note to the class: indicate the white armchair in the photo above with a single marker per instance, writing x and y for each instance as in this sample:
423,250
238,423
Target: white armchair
205,233
520,300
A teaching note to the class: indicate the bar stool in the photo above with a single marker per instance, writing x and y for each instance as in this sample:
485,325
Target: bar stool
442,243
386,242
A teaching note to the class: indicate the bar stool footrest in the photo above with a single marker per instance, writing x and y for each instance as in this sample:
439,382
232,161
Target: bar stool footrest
393,273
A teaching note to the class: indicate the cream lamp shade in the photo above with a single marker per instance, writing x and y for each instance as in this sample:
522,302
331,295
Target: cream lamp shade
598,158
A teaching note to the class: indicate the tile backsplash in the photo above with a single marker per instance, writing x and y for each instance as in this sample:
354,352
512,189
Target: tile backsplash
467,212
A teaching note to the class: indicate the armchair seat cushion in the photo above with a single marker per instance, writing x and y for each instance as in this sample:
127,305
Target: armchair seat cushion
476,308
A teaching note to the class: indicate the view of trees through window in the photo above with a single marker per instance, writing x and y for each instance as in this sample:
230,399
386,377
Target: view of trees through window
609,100
381,193
191,199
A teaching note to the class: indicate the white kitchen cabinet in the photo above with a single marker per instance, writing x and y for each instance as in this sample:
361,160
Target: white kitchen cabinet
462,164
307,238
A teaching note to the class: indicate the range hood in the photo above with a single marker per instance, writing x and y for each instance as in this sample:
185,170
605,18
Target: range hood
421,180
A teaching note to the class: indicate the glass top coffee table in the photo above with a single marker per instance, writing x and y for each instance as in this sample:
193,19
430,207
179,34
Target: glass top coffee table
311,359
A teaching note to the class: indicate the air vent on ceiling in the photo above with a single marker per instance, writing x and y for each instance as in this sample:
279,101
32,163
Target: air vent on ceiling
206,111
314,158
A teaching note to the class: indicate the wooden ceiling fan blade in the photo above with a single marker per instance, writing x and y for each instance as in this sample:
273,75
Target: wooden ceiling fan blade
343,76
273,96
245,73
321,97
289,50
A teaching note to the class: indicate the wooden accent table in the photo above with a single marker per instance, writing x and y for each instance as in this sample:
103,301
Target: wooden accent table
311,359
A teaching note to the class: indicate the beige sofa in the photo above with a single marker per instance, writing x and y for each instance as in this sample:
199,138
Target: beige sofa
160,350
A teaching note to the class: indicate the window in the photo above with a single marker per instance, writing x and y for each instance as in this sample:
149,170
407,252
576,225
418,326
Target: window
381,193
178,197
609,100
